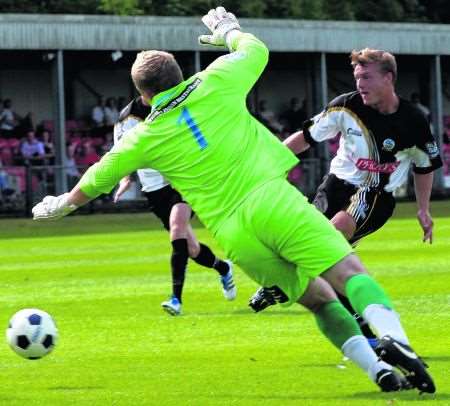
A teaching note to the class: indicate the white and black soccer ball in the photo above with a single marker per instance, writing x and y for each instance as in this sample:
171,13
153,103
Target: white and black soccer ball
32,333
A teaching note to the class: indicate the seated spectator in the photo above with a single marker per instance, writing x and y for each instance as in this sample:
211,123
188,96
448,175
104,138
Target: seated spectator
98,116
49,148
85,155
32,150
9,120
294,116
107,144
72,172
111,112
98,113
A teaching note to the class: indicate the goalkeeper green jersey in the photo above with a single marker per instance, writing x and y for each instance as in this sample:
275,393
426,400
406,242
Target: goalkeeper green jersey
202,139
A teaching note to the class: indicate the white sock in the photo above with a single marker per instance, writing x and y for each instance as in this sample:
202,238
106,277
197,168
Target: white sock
385,322
360,352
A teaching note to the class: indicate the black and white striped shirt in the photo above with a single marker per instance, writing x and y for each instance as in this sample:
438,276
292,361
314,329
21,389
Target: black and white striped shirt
375,149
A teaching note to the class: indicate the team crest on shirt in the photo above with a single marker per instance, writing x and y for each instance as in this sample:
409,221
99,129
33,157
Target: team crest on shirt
432,149
388,144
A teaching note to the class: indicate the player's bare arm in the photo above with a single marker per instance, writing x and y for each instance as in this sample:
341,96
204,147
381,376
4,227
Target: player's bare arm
296,142
423,184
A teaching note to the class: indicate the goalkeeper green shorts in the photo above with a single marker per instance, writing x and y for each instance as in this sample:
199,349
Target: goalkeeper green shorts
279,239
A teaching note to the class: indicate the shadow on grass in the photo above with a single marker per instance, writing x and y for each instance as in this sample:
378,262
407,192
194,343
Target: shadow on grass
410,396
74,388
269,313
439,358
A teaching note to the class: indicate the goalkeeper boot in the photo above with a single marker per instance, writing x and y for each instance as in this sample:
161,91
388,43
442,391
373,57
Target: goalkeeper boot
403,357
228,286
172,306
389,381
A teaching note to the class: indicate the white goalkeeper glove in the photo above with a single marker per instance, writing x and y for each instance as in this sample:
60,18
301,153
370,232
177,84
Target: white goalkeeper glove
53,208
220,23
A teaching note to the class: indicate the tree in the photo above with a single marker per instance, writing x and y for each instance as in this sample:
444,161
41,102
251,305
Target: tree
339,10
120,7
435,11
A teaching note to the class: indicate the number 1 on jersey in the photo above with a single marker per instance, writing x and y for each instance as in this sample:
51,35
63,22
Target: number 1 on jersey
186,117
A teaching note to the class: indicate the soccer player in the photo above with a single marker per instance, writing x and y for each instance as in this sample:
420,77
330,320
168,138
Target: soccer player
232,171
167,204
382,136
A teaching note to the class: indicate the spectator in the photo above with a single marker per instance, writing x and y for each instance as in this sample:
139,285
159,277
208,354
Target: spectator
294,116
98,113
111,112
86,155
107,144
49,148
6,190
8,120
32,150
72,172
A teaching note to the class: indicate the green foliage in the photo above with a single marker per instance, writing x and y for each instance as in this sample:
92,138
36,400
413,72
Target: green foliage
120,7
360,10
339,10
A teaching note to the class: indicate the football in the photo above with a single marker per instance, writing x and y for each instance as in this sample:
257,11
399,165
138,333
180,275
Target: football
32,333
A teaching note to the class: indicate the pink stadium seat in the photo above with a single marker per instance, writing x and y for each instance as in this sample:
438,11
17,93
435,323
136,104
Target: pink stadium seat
6,156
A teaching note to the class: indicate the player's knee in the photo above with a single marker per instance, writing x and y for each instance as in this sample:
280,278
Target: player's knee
317,294
345,224
341,272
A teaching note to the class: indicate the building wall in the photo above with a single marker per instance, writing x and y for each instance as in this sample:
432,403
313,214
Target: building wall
29,91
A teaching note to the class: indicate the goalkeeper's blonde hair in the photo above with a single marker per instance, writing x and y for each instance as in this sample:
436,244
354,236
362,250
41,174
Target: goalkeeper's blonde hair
385,60
155,71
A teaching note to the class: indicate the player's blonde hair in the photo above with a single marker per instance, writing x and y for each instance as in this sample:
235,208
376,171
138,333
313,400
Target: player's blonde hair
385,60
155,71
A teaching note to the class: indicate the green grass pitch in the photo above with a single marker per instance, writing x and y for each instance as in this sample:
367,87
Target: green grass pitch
103,278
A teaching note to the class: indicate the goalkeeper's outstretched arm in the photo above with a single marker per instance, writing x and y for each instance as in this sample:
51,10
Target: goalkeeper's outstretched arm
296,142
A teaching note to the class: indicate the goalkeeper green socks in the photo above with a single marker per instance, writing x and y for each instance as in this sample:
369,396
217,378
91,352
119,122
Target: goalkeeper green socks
336,323
372,303
362,290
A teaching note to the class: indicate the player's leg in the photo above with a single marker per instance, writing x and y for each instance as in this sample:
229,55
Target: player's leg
349,277
204,256
368,211
341,329
162,202
180,249
303,236
240,238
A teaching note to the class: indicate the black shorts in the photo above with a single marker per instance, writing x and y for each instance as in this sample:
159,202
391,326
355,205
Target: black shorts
371,208
161,202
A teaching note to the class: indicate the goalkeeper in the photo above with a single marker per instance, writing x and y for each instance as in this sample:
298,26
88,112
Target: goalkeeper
232,172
